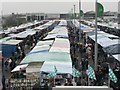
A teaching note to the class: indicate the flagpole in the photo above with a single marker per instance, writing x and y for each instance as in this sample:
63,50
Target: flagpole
79,20
96,46
80,35
74,17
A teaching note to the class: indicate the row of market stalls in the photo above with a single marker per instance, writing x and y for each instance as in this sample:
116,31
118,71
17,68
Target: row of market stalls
110,43
10,43
22,27
9,40
52,54
51,46
110,27
52,51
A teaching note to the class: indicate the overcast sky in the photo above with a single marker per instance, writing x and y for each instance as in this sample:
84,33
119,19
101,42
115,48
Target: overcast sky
58,6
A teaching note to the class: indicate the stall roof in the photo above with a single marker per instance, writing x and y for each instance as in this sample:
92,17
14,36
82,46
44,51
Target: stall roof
24,34
86,29
109,25
50,36
48,42
62,67
34,67
113,49
58,32
60,45
106,34
12,29
40,49
4,39
50,56
117,57
19,67
1,32
12,42
104,40
62,23
30,68
45,25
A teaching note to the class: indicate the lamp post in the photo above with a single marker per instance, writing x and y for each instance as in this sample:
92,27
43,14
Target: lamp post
71,13
79,21
74,11
74,14
96,46
80,55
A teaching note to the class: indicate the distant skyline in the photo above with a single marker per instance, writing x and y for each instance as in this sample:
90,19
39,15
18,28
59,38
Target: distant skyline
53,7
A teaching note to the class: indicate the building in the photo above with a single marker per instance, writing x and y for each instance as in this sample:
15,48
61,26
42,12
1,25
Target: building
35,16
89,15
52,16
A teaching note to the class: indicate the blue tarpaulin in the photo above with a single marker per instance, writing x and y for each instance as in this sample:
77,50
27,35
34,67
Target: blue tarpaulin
8,49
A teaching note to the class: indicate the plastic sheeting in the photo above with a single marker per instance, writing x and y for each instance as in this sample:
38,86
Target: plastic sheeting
41,47
9,47
46,25
24,34
58,32
113,49
117,57
48,42
50,56
62,67
62,23
20,67
104,40
60,45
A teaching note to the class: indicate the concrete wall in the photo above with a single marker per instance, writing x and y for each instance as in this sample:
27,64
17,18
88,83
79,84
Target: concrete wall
51,16
82,88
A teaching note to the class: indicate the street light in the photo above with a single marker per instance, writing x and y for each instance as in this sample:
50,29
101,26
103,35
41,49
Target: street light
74,18
96,46
71,13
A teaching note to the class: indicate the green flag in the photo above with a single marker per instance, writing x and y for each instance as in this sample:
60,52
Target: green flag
91,73
100,9
81,13
112,76
75,72
52,74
